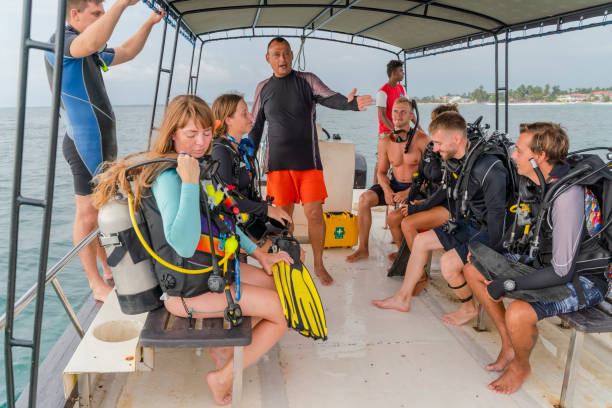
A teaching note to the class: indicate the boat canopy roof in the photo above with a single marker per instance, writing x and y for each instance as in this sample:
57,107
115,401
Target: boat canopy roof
394,25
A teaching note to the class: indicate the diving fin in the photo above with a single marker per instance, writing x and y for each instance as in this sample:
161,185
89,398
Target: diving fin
297,292
398,268
276,274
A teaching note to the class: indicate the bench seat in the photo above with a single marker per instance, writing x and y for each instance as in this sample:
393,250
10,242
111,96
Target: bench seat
164,330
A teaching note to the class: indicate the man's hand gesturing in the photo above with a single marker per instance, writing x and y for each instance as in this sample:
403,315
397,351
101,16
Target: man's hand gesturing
362,100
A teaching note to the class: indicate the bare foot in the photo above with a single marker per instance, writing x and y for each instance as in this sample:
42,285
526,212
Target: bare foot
510,381
392,256
461,316
101,291
324,277
505,357
395,302
221,355
221,387
357,255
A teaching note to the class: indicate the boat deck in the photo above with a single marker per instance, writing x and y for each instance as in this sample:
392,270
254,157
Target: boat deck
374,357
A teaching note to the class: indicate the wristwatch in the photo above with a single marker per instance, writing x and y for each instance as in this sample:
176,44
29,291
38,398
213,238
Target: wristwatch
509,285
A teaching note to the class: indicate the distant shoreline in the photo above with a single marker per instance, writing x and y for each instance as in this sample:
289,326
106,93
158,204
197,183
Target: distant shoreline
521,103
420,103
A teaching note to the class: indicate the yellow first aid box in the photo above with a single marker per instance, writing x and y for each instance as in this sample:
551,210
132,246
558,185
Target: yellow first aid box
341,229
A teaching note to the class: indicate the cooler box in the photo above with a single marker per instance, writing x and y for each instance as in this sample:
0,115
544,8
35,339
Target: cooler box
341,229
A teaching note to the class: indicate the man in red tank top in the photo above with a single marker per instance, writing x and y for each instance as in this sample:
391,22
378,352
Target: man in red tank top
387,95
385,98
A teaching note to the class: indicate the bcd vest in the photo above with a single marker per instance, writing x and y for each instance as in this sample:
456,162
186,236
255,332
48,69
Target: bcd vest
429,174
175,283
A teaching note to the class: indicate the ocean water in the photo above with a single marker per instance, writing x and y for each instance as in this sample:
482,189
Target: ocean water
588,125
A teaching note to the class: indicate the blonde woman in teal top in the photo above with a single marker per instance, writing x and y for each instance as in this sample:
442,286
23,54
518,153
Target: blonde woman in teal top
186,133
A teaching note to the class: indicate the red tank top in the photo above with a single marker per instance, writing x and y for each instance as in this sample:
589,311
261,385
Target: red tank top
392,95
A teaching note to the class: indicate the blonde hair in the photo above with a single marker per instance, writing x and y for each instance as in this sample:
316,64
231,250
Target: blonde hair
548,137
179,112
403,99
224,107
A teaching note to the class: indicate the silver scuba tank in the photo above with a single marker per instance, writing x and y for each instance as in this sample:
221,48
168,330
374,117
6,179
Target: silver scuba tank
137,287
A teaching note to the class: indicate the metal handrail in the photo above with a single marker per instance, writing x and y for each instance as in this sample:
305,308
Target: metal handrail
52,273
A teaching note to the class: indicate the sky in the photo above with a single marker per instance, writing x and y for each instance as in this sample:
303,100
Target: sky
571,60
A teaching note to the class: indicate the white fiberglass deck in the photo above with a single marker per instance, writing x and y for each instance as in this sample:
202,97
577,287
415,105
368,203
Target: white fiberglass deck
373,358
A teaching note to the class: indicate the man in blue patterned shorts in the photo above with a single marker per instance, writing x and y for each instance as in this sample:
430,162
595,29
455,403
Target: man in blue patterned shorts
546,287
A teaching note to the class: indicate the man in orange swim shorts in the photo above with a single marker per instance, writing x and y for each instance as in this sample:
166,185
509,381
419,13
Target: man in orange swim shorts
287,101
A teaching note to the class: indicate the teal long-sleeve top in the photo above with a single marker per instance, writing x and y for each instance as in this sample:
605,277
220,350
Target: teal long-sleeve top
179,206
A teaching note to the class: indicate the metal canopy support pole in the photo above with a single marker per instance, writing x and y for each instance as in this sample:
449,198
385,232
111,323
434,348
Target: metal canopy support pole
189,80
501,88
197,76
507,93
159,71
405,73
496,82
171,73
17,200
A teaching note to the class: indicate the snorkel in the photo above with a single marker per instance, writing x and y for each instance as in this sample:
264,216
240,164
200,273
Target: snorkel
538,173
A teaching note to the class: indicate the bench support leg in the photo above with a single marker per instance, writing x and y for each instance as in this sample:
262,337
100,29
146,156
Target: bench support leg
237,385
571,369
428,265
482,317
147,358
83,389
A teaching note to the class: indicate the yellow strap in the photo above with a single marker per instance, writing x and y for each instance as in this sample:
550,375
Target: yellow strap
524,207
160,260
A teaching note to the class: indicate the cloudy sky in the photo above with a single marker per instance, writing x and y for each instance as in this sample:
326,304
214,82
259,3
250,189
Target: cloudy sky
576,59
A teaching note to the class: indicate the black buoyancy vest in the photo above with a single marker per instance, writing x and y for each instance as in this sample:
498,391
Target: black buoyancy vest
175,283
592,257
429,174
473,171
237,164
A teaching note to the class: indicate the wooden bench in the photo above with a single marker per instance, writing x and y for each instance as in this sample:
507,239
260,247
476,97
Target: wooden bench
164,330
596,319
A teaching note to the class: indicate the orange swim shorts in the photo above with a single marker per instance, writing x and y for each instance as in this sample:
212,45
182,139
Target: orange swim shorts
293,186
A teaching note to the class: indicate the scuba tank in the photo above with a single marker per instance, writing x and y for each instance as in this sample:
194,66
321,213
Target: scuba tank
135,282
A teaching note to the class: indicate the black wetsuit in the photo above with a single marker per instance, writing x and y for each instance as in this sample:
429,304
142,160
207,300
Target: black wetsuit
487,197
288,104
227,173
90,122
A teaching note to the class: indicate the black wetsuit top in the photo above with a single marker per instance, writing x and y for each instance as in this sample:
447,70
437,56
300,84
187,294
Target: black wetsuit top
87,111
222,153
487,197
288,104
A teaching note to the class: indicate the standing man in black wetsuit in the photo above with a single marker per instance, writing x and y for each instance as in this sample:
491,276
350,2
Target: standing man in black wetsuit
87,112
287,101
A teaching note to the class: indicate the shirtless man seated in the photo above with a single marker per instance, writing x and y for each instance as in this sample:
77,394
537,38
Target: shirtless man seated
403,165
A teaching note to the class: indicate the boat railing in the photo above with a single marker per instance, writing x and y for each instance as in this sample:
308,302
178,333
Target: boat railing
51,277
